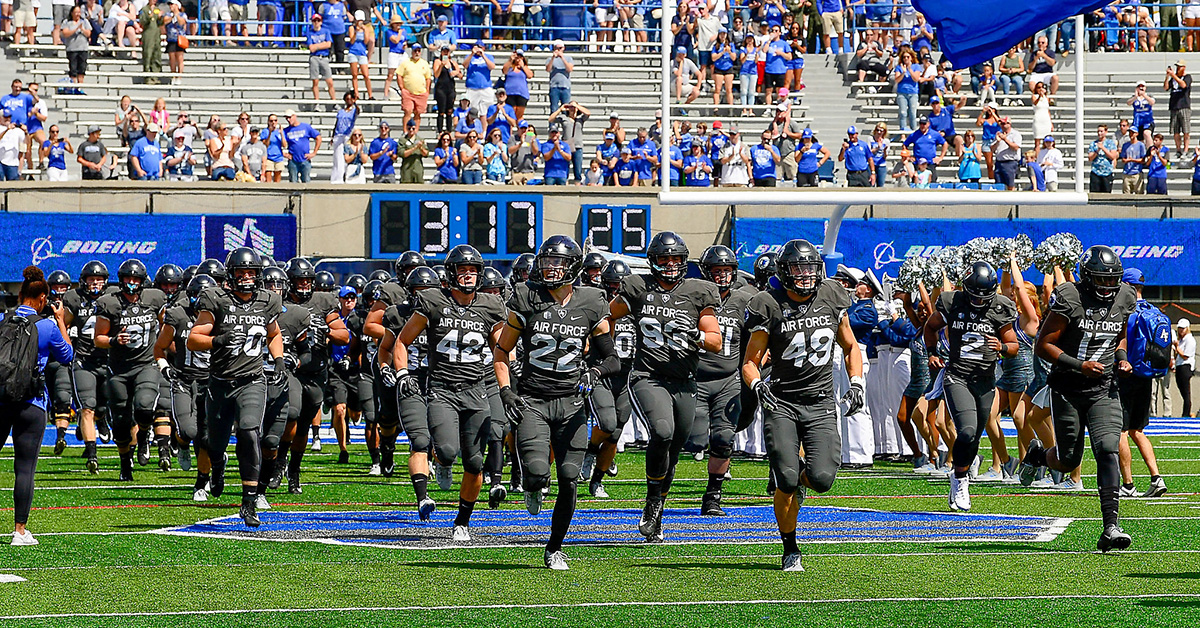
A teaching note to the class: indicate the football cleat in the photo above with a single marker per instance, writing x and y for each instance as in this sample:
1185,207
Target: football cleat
60,446
1114,538
343,457
611,471
23,539
248,515
143,448
650,525
461,534
1158,488
496,496
375,469
556,561
261,503
93,466
103,431
316,446
126,469
973,470
597,490
425,508
791,562
216,482
1028,470
960,494
200,495
280,470
185,459
294,485
164,457
589,463
711,505
533,502
445,477
1009,469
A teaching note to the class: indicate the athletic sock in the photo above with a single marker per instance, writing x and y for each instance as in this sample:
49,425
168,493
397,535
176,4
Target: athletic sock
62,433
316,431
293,466
89,449
593,448
374,454
598,473
1154,478
654,489
1110,499
494,463
560,520
201,480
1131,486
249,494
961,474
715,481
465,508
421,485
789,542
666,482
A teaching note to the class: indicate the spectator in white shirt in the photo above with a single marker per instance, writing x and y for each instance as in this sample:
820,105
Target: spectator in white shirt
1185,363
1051,161
12,147
735,161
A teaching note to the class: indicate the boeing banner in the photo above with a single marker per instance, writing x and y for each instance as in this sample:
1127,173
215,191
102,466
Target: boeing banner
1165,250
68,241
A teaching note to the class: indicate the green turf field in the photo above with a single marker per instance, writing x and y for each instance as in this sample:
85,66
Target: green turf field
99,564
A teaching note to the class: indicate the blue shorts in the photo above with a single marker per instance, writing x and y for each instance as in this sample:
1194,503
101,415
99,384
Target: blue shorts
796,64
1017,371
705,58
918,379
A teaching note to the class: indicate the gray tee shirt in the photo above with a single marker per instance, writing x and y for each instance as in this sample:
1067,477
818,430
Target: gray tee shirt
559,77
77,42
254,154
572,132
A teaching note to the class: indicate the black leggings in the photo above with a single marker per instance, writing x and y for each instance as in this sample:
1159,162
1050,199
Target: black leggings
443,95
970,404
27,423
668,408
1183,379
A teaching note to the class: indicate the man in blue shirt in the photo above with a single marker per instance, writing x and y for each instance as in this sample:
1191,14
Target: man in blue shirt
1133,159
443,34
18,104
625,171
926,144
319,41
479,68
644,153
300,147
1102,152
941,119
382,152
556,154
860,167
763,159
607,154
833,22
146,157
501,116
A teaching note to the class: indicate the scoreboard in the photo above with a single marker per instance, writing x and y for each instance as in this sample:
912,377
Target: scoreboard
499,226
623,229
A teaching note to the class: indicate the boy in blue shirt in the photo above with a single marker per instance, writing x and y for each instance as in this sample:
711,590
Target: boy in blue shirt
1156,174
625,172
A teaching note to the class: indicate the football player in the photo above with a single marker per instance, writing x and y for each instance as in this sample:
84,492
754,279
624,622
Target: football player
128,327
238,324
675,321
593,265
408,409
1083,338
520,269
283,392
58,376
343,375
492,282
187,373
461,322
718,377
362,358
554,322
609,402
979,327
764,270
798,325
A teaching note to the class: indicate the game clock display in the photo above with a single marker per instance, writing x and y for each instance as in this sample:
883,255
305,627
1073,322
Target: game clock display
499,226
623,229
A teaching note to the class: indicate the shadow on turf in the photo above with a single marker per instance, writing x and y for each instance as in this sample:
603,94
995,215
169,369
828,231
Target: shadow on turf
1170,603
709,566
1000,547
1181,575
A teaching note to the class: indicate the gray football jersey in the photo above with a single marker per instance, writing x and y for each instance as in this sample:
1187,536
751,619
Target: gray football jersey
248,320
967,330
731,316
664,318
137,319
801,337
553,336
192,365
1093,327
459,335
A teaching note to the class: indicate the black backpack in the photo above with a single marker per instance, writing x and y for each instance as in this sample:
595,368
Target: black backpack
20,378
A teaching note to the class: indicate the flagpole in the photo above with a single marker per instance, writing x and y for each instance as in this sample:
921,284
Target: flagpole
1080,56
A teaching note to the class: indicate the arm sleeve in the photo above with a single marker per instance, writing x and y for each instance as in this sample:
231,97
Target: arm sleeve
609,363
863,317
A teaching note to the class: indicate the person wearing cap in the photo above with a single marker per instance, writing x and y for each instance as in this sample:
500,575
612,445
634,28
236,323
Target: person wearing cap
319,42
445,71
571,118
479,77
460,112
517,75
908,77
152,20
1050,158
344,123
443,11
860,170
382,152
764,158
785,132
706,27
1136,389
361,35
734,160
1133,163
1157,158
779,55
92,156
644,154
1179,83
412,151
180,160
396,38
559,66
276,144
607,153
924,176
524,152
614,127
941,120
302,144
556,156
697,168
336,15
1006,151
926,144
810,156
1185,363
416,79
683,70
501,116
145,158
252,154
724,57
624,173
471,123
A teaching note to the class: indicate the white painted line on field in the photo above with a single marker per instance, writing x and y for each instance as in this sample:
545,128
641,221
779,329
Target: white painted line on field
469,607
8,577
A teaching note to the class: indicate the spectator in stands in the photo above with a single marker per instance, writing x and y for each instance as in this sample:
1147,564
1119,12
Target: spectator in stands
302,144
941,120
1006,151
145,158
121,24
495,157
1041,65
159,114
557,156
12,147
93,157
644,154
360,37
779,54
1042,124
1051,161
968,161
860,171
1143,111
396,37
1179,83
343,125
704,31
501,117
1133,161
524,152
210,132
239,15
416,79
152,21
382,152
22,15
1037,176
35,130
1156,166
135,133
252,155
479,78
1012,74
907,77
572,117
221,150
185,127
674,161
220,16
734,160
832,21
412,151
764,158
276,143
517,74
354,153
986,87
989,122
443,9
748,75
242,129
469,124
614,127
724,55
683,71
470,157
54,153
461,111
176,27
559,66
713,147
924,175
607,154
624,173
270,11
905,173
336,16
594,176
126,112
441,34
873,58
1191,19
18,103
92,12
445,71
697,167
319,42
879,146
1102,153
921,38
784,133
794,80
812,156
1196,172
516,19
180,160
655,129
60,9
75,33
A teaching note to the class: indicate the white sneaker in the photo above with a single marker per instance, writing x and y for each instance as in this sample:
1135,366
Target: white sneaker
791,562
533,502
201,495
316,446
925,469
23,540
942,472
445,477
375,469
597,490
1068,485
585,470
991,476
973,470
1046,482
261,503
1128,491
556,561
960,494
1158,488
461,534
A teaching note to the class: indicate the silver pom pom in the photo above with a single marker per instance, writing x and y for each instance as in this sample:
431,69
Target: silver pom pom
1022,249
951,261
1061,249
912,271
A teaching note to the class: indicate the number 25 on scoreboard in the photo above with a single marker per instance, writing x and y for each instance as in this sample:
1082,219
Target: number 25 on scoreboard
621,229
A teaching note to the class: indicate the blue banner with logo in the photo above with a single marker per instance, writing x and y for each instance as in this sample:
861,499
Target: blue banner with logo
68,241
1165,250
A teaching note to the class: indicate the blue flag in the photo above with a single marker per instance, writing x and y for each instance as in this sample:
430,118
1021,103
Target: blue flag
972,32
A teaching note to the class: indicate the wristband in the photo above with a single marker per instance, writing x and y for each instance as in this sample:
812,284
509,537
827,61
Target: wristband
857,379
1070,362
754,383
162,364
1121,355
